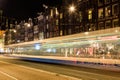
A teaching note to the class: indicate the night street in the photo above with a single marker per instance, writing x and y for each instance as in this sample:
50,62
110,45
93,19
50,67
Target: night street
60,40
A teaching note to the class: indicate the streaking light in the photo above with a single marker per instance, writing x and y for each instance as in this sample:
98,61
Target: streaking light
49,50
37,46
1,50
109,38
54,50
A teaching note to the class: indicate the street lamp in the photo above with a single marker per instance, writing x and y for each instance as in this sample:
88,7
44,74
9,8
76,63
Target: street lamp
28,25
14,31
72,8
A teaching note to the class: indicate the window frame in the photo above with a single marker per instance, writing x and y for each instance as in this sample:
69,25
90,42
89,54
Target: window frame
108,14
106,23
107,2
100,4
99,14
99,27
114,21
113,11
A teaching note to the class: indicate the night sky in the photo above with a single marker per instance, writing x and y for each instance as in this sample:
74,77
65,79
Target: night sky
22,9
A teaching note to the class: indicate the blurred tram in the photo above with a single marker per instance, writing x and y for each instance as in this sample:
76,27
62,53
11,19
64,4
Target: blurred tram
95,44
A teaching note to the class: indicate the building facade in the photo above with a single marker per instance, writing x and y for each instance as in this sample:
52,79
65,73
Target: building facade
89,27
89,15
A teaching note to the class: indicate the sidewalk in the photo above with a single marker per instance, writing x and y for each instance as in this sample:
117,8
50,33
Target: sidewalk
107,64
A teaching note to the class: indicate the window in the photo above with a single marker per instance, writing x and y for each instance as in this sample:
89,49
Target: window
36,37
108,24
61,33
47,26
108,11
115,9
11,26
57,22
61,15
47,17
69,31
92,27
47,34
89,14
101,25
30,35
107,1
115,23
56,11
18,27
65,32
35,28
87,27
26,34
51,13
76,29
26,38
100,13
80,14
114,0
100,2
81,28
51,34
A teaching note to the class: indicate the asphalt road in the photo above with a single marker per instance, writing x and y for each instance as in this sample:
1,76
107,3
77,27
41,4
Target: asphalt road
15,69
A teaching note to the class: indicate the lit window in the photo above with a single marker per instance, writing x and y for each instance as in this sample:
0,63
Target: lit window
107,11
47,26
57,22
100,13
47,17
56,11
80,14
51,13
90,14
61,15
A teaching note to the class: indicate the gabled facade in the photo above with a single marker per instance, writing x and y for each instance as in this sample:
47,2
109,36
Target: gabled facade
89,15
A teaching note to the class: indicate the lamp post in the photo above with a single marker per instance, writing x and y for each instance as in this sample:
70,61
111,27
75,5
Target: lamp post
72,10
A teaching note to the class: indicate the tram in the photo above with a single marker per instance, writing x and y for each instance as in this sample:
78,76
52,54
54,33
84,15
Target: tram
95,44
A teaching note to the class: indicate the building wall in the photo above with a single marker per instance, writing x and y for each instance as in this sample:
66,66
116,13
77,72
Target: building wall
89,15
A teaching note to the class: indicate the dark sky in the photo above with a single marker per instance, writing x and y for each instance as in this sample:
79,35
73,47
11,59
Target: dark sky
22,9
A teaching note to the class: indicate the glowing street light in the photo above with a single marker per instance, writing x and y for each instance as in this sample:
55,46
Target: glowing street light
28,25
72,8
14,31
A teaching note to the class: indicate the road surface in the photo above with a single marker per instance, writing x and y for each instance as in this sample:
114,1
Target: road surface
15,69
